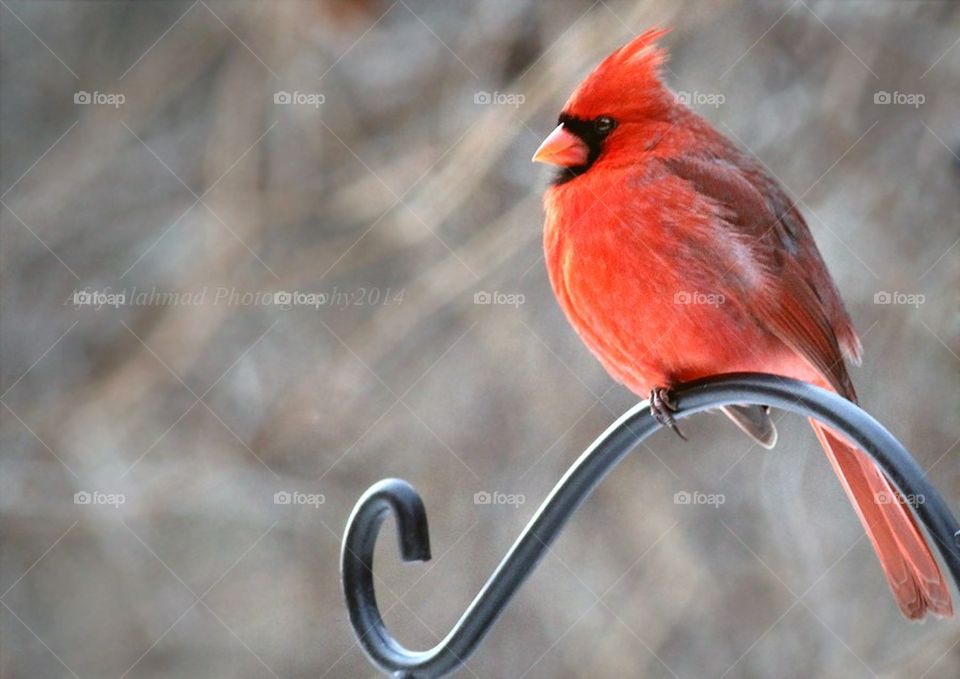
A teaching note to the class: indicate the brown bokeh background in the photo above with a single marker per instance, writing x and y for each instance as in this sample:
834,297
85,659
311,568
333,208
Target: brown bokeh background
404,186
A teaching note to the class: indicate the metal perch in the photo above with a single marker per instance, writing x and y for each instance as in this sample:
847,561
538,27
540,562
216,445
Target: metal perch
394,495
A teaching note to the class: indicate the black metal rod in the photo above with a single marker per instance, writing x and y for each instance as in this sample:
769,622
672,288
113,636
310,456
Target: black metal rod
398,497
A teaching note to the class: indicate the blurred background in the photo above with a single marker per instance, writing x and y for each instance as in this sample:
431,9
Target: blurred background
258,256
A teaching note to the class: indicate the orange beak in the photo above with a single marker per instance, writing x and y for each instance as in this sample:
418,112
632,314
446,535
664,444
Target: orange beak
562,148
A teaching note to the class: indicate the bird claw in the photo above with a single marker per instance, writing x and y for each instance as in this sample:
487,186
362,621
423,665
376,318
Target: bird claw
662,408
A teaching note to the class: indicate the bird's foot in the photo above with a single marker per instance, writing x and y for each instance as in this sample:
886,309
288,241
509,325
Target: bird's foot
662,408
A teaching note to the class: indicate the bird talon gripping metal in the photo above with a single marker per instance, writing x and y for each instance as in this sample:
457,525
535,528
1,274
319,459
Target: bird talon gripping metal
398,497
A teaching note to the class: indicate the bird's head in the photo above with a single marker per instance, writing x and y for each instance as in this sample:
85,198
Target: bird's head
615,100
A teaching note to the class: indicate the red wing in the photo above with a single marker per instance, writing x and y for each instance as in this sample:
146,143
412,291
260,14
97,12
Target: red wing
796,299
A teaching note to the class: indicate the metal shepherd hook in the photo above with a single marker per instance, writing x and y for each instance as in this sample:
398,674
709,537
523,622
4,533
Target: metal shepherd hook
398,497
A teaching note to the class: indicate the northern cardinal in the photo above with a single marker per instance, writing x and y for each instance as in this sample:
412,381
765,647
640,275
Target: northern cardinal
675,256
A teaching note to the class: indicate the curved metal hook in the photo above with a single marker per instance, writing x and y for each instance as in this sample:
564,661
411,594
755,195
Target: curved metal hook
394,495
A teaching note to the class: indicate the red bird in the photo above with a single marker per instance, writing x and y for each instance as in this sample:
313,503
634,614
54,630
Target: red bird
675,256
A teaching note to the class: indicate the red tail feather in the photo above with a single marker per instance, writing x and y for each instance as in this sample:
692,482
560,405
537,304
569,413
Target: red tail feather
911,570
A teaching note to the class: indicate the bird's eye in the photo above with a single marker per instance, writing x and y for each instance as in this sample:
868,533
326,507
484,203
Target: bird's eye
604,124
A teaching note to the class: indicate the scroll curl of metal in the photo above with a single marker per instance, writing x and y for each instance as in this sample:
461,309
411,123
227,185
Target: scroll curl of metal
399,498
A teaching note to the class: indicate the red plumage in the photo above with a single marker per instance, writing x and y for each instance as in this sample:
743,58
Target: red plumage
676,256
